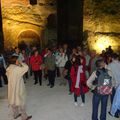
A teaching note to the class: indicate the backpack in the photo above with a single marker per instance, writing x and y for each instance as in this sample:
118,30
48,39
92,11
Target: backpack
103,82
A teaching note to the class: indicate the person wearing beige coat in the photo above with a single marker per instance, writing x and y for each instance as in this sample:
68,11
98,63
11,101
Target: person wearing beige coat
97,98
16,88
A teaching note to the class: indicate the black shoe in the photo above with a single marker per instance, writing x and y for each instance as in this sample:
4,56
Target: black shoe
1,86
17,116
48,84
116,116
110,113
35,83
29,117
51,86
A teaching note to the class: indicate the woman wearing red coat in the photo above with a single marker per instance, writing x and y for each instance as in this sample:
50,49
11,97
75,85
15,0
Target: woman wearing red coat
78,77
36,61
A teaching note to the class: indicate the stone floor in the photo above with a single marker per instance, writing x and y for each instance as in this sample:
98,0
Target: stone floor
44,103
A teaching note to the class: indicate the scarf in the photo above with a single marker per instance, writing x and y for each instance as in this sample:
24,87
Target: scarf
78,76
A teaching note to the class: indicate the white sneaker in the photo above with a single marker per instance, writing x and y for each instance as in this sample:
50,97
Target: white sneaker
82,104
75,103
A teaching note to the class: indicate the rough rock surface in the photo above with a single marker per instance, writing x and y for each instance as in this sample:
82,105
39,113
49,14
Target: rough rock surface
103,17
19,16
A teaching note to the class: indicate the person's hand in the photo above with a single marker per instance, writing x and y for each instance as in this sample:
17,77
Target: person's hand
92,88
20,62
77,86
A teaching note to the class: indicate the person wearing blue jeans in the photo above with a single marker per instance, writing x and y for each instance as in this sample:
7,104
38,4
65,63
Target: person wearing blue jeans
97,96
95,104
115,108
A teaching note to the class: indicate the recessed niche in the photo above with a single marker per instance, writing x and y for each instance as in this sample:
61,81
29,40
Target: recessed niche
33,2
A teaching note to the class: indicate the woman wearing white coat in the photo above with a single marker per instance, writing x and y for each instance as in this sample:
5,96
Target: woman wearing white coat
61,61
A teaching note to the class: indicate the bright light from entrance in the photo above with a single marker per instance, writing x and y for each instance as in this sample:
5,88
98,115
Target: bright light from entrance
102,43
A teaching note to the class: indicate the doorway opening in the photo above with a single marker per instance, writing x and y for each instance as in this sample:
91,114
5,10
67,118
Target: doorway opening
29,38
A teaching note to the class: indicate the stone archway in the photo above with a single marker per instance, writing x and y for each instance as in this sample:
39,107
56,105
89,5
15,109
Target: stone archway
29,37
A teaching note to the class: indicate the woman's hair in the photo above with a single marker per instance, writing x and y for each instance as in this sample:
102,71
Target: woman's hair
98,63
12,59
76,63
77,60
50,49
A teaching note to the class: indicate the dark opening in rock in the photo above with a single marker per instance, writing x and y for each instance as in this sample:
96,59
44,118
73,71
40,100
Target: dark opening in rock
33,2
29,38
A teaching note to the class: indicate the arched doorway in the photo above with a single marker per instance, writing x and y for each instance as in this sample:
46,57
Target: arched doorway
30,38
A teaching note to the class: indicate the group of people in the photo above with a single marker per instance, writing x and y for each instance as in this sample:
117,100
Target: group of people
82,69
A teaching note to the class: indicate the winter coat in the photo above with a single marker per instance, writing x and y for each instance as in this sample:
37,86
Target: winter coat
16,87
35,62
61,60
82,81
50,63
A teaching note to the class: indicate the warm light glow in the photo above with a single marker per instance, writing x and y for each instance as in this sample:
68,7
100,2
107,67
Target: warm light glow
102,43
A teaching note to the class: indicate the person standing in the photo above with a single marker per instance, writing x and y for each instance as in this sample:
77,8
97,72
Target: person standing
100,82
66,72
62,59
19,54
115,109
16,88
87,59
3,71
93,59
50,68
67,51
114,66
78,78
36,62
26,60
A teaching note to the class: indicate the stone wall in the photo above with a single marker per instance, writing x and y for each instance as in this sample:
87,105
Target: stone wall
19,16
102,22
22,21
